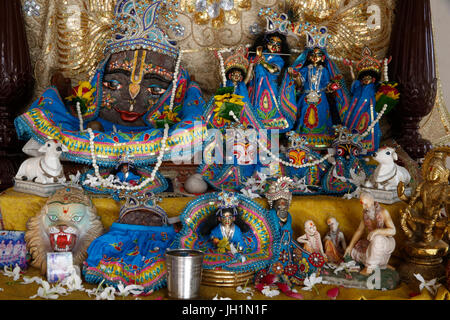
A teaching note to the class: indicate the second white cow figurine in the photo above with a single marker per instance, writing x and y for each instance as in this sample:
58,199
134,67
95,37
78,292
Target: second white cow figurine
44,169
388,174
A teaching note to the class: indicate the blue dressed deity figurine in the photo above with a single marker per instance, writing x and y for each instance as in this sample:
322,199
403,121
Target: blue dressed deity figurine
272,100
306,175
348,169
361,111
222,169
234,95
125,172
137,89
226,228
316,75
294,264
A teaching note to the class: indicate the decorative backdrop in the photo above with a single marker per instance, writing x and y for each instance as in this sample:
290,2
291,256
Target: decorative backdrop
69,36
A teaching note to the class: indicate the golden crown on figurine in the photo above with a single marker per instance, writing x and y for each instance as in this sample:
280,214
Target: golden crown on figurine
368,62
69,195
280,189
237,60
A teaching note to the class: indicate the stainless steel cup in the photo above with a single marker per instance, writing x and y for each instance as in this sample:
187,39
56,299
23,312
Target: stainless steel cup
184,273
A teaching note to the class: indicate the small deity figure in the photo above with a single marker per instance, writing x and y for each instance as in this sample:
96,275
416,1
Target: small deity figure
9,248
311,239
376,249
226,227
269,57
238,72
361,112
422,219
315,76
293,264
125,172
334,242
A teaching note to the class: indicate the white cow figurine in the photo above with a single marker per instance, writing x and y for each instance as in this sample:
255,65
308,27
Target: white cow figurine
388,174
45,169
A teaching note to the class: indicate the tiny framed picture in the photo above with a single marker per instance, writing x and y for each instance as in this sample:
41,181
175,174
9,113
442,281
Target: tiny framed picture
13,249
58,266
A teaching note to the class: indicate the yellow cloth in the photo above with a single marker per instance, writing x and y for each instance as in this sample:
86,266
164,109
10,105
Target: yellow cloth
16,208
17,291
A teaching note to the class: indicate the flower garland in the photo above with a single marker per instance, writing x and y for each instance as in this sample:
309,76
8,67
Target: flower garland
80,117
222,67
143,184
385,70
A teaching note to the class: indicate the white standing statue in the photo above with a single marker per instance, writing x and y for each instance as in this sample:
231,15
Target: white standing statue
388,174
44,169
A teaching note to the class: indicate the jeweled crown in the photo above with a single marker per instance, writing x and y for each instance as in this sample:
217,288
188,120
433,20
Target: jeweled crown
69,195
368,62
280,189
134,27
228,200
317,38
145,202
237,60
296,140
278,23
344,136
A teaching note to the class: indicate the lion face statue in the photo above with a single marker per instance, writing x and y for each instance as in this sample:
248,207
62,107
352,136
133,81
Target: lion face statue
68,222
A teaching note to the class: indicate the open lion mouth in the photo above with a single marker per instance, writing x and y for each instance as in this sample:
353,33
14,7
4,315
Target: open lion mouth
62,241
129,116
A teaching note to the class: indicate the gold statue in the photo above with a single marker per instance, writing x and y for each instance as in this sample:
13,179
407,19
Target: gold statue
424,221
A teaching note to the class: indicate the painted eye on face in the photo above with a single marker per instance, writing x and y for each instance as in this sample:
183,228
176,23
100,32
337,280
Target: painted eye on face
388,153
355,152
52,217
340,152
112,84
77,218
156,90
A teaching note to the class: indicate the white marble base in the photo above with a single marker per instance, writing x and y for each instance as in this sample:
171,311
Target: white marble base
385,196
39,189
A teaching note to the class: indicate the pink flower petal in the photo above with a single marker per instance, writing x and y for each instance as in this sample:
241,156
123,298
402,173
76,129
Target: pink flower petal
333,293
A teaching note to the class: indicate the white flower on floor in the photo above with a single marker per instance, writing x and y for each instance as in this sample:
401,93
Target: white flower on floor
431,285
28,280
107,294
220,298
310,282
246,290
15,273
48,292
133,289
73,281
270,293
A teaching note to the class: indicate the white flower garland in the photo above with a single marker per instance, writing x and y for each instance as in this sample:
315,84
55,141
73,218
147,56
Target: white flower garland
110,184
222,68
80,117
385,70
